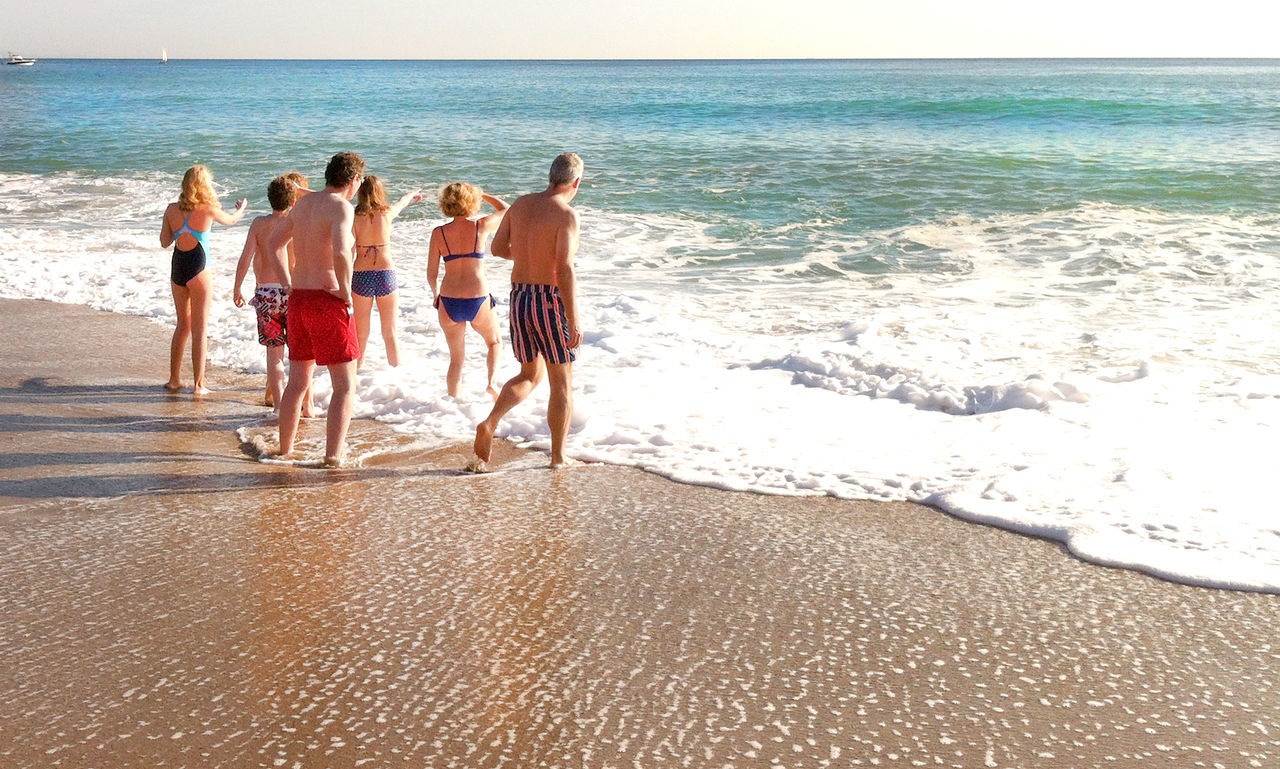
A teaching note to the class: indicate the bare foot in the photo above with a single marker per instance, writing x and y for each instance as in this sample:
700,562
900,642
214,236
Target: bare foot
332,462
493,393
563,462
268,402
281,456
478,465
202,390
173,388
484,442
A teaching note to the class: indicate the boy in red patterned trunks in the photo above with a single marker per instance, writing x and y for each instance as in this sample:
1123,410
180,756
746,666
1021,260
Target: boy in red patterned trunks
269,299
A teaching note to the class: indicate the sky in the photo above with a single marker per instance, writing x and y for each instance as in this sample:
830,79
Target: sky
640,29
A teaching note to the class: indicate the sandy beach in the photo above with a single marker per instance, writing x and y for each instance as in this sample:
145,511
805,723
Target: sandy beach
167,602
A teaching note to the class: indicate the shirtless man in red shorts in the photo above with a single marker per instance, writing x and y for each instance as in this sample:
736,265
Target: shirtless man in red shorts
321,329
539,235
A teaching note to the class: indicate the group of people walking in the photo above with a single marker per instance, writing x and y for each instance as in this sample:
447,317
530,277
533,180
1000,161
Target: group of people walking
320,265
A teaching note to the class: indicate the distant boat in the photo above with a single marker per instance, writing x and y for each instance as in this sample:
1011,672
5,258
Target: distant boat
18,61
164,56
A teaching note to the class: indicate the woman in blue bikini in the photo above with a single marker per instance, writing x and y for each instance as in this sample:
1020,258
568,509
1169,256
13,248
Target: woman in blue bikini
374,275
185,225
463,297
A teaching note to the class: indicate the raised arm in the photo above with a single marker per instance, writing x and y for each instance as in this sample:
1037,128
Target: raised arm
166,231
242,266
410,197
566,278
343,242
491,221
227,219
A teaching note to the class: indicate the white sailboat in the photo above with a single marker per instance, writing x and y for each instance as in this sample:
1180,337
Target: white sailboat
19,61
164,56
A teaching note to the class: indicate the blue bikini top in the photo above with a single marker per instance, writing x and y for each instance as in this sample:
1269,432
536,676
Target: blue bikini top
197,234
476,253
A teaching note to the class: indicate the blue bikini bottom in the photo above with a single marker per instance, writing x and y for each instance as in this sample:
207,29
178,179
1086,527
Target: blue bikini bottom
465,310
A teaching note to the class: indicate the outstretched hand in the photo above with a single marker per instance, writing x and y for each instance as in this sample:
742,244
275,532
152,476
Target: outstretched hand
241,203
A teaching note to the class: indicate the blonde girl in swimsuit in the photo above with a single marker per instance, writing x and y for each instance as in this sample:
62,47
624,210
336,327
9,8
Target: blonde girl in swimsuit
463,297
374,276
185,225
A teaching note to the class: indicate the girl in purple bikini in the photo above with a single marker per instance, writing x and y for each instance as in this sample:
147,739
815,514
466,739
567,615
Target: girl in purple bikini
374,275
463,297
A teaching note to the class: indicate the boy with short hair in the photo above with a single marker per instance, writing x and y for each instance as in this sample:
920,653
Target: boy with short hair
270,299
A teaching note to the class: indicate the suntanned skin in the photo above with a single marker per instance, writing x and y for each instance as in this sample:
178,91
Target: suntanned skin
465,278
300,185
539,234
320,226
376,229
191,302
264,271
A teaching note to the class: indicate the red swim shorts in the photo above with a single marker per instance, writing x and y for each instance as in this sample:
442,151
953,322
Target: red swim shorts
321,328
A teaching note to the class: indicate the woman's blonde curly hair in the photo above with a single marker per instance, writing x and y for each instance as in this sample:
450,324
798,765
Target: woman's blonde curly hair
460,199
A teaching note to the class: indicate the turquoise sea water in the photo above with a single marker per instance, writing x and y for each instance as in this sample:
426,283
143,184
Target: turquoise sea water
1038,294
744,146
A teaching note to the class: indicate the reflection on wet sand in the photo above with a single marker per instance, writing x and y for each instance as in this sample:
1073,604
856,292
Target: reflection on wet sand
173,604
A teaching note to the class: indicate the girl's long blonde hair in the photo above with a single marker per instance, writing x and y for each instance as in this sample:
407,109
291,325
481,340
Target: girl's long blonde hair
371,198
197,189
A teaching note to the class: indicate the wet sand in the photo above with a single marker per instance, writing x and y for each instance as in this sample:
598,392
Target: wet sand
164,602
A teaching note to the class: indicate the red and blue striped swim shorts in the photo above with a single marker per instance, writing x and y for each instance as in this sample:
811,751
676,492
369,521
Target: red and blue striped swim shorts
538,325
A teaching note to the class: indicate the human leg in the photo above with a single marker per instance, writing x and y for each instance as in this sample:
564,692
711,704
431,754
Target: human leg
362,310
300,372
200,289
515,390
388,307
455,337
308,404
341,404
559,409
486,324
275,375
182,330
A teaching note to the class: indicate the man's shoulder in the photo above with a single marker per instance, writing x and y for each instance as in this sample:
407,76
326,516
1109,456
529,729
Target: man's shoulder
523,202
320,205
565,214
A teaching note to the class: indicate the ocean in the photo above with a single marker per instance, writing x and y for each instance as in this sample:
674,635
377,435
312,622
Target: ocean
1035,294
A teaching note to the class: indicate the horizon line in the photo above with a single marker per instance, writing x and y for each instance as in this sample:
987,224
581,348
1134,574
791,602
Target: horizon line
687,59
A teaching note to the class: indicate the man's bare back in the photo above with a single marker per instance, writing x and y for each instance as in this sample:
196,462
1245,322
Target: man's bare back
320,226
539,235
538,228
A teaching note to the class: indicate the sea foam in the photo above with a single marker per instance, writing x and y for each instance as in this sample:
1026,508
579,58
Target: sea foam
1100,375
